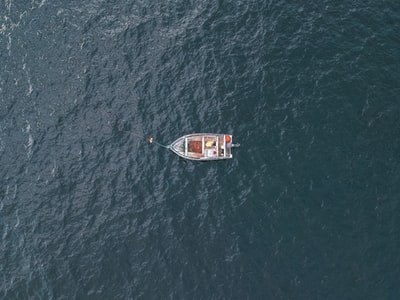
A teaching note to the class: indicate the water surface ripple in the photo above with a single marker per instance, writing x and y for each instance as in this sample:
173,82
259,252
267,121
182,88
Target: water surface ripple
308,208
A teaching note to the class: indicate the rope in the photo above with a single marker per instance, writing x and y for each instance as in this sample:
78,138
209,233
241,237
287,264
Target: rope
138,135
151,140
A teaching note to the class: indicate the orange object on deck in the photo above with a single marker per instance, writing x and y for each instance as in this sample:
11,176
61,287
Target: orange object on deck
228,138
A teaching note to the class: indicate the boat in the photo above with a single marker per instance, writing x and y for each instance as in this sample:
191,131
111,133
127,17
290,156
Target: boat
204,146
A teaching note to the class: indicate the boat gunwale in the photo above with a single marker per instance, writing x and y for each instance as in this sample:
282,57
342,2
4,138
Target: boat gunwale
182,138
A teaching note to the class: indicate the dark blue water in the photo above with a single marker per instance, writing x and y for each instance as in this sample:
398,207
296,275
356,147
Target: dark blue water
309,206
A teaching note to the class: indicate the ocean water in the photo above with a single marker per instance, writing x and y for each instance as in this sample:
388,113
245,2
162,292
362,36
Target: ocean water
309,206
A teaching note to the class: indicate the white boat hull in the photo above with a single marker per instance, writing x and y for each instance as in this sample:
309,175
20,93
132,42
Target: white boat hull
203,146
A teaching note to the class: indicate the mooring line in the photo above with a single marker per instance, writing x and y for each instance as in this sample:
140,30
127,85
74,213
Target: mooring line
150,140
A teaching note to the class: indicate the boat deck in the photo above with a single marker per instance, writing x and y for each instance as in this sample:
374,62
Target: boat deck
203,146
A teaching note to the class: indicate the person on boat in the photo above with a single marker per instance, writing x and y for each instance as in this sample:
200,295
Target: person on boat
221,151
